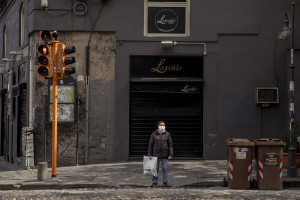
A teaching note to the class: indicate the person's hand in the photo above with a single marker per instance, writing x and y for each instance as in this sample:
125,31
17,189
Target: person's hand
170,157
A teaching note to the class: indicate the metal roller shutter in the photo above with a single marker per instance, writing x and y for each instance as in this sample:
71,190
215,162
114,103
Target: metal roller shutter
182,113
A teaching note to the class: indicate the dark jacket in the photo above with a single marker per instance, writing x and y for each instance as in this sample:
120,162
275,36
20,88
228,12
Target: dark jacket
160,145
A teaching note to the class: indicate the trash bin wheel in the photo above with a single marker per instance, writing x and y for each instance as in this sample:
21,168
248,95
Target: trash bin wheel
225,182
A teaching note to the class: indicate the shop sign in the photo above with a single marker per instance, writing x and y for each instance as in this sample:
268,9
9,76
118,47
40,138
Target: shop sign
167,86
166,20
167,67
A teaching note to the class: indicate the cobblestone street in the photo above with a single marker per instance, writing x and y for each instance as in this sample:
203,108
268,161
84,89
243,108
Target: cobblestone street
152,193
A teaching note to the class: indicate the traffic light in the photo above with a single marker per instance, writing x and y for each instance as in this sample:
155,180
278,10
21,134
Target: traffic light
46,36
65,70
44,61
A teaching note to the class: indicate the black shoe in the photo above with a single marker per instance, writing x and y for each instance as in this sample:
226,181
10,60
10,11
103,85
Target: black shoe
165,184
154,185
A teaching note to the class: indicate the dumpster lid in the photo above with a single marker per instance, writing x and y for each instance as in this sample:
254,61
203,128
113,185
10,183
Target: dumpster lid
269,141
239,142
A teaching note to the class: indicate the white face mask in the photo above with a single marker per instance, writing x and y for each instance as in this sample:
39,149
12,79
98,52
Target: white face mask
161,128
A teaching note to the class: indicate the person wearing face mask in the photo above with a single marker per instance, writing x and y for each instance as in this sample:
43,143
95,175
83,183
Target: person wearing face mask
160,146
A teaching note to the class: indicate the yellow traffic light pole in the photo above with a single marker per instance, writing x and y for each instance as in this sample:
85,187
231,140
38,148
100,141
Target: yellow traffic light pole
54,109
45,71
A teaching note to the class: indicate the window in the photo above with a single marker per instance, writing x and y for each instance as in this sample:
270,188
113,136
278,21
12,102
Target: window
169,18
4,41
22,24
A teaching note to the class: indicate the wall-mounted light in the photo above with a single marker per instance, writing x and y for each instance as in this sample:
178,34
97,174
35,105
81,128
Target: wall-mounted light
168,44
286,29
8,59
44,4
16,53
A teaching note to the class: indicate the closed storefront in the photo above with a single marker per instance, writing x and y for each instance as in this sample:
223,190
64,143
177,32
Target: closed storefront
167,88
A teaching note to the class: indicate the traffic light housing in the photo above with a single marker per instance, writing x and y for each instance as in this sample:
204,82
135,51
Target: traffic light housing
65,70
44,61
45,36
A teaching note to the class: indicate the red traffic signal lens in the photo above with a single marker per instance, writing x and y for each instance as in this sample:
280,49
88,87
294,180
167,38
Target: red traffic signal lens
43,49
43,60
43,71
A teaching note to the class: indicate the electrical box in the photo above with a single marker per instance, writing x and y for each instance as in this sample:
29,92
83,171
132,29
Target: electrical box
267,95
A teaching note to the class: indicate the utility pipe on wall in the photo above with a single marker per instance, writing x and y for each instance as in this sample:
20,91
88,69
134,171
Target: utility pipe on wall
77,124
87,105
30,118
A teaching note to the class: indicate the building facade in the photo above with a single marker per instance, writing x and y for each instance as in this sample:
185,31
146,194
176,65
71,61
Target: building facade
194,64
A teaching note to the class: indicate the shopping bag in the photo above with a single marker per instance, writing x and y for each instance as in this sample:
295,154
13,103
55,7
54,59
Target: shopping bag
149,165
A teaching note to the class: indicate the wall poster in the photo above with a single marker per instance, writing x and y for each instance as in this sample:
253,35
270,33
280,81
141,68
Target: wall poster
65,103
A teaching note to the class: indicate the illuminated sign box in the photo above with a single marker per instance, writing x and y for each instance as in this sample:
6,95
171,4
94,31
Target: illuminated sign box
166,18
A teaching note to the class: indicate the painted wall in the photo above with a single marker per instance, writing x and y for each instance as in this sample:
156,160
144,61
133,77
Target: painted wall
241,41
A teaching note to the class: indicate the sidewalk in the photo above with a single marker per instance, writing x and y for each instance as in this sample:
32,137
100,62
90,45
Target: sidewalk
200,173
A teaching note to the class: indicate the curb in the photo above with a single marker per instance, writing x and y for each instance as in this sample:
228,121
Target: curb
291,184
53,186
96,185
204,184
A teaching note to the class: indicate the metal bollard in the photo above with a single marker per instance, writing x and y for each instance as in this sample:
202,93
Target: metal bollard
42,171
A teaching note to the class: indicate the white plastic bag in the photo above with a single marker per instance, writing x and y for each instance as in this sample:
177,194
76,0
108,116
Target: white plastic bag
149,165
